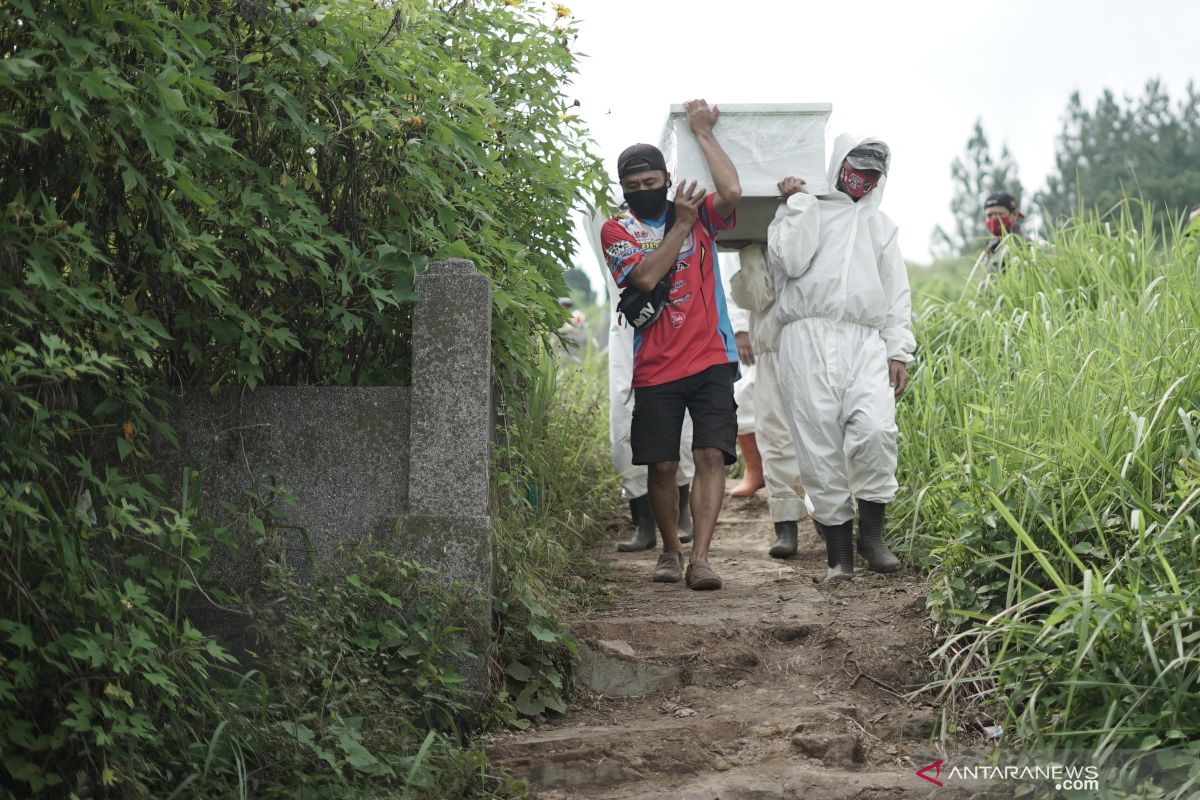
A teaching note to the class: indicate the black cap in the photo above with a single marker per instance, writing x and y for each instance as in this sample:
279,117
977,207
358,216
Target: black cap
1001,199
870,155
642,157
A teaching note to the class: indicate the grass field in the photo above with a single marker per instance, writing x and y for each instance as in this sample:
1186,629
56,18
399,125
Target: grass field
1051,478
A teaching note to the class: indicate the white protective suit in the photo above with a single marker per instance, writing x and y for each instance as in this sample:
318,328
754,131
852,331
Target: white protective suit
739,320
842,297
634,480
752,289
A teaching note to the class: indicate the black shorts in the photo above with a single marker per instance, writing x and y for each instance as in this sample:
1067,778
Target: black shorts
658,415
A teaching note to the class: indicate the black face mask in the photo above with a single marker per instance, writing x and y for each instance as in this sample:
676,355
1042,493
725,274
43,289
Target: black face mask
647,203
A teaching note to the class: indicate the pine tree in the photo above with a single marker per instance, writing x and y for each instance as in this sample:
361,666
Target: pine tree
1138,147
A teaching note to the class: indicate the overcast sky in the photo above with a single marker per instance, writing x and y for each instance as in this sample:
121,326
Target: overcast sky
915,74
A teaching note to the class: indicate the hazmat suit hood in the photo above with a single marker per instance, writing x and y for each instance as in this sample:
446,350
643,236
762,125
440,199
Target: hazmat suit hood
841,148
835,259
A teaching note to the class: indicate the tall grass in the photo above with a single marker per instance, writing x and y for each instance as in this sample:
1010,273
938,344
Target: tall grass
1052,470
554,492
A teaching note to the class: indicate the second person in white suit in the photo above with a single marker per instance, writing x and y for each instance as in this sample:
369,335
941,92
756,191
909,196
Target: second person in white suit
842,298
751,288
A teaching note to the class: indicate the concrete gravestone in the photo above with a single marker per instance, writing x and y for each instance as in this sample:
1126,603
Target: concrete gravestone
406,467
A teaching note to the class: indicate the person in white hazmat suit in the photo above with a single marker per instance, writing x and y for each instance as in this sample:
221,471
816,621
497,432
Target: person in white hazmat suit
842,297
633,478
753,289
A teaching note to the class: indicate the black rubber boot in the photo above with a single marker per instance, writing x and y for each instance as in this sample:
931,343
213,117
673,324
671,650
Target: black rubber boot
870,537
645,533
684,525
839,550
785,540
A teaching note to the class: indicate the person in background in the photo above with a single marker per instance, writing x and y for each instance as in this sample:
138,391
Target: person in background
1003,221
686,360
842,297
744,394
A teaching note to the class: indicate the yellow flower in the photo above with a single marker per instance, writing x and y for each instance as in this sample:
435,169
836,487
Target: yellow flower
127,430
561,11
416,121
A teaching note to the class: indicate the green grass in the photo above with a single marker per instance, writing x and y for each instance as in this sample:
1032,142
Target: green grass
554,493
1051,476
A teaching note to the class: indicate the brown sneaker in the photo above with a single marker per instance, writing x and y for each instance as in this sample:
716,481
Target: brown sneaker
700,576
669,568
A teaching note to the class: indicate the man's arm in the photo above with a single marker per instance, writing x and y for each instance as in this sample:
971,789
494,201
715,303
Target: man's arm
897,329
751,287
652,267
795,234
701,120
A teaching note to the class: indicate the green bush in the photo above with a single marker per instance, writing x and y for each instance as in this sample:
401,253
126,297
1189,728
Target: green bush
1053,479
360,689
236,192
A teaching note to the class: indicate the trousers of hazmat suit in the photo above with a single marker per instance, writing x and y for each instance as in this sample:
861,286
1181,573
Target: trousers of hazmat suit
633,478
842,299
751,289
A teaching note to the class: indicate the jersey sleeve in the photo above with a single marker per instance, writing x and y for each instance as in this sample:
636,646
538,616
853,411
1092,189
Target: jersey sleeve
621,251
709,219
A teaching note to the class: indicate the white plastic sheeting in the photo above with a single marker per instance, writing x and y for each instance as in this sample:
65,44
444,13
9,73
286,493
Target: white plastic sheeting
766,142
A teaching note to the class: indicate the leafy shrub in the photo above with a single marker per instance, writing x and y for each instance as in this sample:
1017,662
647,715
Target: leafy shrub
235,192
365,692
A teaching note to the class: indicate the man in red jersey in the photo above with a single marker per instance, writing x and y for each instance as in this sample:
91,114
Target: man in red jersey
687,358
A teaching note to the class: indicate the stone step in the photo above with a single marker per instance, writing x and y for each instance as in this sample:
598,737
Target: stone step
809,742
775,686
596,757
637,657
786,781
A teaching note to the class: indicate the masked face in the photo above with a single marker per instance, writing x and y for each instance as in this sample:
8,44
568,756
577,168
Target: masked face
646,192
1000,220
858,183
647,203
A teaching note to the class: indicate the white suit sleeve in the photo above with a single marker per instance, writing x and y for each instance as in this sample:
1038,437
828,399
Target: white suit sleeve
739,318
751,287
795,233
897,330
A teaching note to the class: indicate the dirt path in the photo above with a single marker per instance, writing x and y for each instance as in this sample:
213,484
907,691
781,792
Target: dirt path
774,687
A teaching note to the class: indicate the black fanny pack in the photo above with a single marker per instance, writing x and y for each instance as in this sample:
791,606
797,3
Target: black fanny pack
642,309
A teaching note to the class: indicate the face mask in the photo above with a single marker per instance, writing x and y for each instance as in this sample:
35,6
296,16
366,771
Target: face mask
998,226
647,203
857,184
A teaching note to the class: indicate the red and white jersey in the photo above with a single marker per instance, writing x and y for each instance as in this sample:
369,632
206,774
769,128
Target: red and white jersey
694,332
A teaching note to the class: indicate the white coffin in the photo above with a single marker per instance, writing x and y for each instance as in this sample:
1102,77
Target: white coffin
766,142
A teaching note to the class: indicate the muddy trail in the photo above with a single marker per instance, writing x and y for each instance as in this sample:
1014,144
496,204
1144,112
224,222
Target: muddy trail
774,687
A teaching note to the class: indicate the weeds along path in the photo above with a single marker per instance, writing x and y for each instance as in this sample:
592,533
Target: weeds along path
773,687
